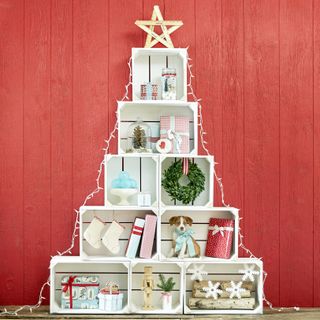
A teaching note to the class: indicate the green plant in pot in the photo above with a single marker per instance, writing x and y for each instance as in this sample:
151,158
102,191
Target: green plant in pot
166,285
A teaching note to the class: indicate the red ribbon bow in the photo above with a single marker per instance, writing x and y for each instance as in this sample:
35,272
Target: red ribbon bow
67,286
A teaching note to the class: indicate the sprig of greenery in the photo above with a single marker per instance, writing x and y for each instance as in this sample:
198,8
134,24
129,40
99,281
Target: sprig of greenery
185,194
165,285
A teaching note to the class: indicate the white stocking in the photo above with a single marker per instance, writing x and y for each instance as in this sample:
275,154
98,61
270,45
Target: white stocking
93,233
111,237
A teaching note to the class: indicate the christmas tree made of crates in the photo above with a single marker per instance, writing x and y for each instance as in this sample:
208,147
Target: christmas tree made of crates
204,284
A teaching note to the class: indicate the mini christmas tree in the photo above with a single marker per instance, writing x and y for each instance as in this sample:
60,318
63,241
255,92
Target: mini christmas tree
139,139
166,285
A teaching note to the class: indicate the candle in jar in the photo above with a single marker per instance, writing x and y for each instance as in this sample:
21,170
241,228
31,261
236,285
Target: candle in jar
169,84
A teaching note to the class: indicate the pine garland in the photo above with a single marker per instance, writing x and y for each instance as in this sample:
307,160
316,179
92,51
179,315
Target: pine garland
185,194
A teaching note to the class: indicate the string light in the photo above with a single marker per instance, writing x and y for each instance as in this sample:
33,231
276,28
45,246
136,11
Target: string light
98,188
220,184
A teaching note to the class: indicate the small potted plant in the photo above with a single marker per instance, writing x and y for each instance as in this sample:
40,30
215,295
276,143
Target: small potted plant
166,286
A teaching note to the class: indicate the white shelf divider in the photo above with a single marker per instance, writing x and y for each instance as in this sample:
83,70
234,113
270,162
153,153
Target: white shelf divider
226,270
169,269
205,163
142,168
107,214
150,112
106,270
177,58
201,217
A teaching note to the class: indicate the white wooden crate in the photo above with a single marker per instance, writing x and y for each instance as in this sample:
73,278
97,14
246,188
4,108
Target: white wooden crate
142,168
177,58
205,163
115,271
107,215
169,269
150,112
201,217
226,270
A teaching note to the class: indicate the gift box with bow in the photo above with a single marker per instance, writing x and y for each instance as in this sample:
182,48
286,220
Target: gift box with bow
220,238
176,129
110,298
79,292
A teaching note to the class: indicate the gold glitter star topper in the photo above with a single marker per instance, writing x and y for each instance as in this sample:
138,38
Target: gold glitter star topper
157,20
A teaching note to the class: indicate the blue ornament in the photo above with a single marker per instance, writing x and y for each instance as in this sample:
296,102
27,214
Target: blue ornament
124,182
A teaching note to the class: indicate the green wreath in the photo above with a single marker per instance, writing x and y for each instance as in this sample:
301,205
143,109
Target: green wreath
185,194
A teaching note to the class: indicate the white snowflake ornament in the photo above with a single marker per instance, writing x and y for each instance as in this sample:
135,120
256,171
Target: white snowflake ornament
249,272
197,272
213,290
235,290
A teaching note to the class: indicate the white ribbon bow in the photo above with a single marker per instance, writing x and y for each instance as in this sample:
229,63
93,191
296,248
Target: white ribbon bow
172,135
216,229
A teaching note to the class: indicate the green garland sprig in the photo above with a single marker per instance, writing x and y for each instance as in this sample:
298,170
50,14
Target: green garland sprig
166,285
185,194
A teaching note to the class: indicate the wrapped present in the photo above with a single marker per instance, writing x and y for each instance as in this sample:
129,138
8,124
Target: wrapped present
220,237
135,238
110,298
80,292
110,302
176,129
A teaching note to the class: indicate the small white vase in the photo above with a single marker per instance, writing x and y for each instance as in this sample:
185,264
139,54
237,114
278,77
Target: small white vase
123,194
166,301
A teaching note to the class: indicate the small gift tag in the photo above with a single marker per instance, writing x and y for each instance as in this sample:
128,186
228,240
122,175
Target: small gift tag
144,199
163,146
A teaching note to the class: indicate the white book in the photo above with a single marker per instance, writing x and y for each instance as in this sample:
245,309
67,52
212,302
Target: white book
135,238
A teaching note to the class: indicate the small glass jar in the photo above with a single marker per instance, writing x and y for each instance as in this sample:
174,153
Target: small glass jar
149,91
139,137
169,84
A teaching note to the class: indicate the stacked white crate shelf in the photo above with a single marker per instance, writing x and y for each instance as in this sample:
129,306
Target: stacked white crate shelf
59,266
152,110
107,214
224,270
143,168
147,169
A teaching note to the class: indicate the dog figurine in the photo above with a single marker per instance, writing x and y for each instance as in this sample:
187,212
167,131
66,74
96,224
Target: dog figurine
183,244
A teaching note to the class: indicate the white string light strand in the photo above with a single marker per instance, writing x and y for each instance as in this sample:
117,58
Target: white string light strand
97,189
219,180
201,129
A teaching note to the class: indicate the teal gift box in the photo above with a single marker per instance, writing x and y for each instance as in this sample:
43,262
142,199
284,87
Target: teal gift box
79,292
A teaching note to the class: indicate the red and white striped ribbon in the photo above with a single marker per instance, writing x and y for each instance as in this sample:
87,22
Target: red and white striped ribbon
185,166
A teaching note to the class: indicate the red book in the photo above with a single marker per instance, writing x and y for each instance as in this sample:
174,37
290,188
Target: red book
220,238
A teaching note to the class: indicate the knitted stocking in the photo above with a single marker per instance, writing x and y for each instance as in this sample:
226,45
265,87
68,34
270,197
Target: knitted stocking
111,237
93,233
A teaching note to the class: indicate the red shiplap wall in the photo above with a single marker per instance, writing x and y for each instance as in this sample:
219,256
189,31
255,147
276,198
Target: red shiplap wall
257,68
